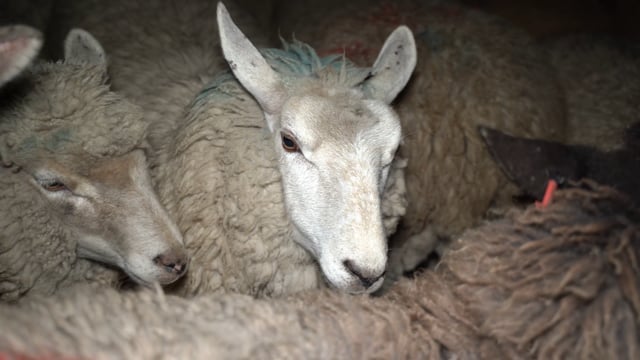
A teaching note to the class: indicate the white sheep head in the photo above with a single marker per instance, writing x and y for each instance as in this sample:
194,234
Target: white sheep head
81,146
336,137
19,45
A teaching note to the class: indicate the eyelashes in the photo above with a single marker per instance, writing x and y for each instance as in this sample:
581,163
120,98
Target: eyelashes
53,185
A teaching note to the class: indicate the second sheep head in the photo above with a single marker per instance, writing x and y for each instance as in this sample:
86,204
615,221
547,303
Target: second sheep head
336,136
81,148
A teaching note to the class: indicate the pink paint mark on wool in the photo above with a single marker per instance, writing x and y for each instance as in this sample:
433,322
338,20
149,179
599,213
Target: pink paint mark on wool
354,50
552,186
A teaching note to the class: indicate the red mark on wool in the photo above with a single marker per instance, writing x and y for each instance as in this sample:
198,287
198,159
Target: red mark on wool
552,186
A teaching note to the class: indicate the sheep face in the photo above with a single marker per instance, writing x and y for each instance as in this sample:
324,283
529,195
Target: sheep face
334,160
111,210
18,46
81,147
336,140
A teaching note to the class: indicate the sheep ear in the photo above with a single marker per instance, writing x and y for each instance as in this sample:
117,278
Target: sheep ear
19,45
81,47
529,163
393,67
250,67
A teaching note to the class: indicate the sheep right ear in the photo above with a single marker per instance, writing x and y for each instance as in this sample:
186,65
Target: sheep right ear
81,47
393,67
250,67
19,45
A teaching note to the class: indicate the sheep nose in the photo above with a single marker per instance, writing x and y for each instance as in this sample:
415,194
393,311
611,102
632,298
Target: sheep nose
173,262
365,278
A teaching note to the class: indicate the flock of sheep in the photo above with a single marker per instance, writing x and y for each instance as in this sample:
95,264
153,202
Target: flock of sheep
254,188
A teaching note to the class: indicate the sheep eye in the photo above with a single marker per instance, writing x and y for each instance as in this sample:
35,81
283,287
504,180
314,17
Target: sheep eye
54,186
289,144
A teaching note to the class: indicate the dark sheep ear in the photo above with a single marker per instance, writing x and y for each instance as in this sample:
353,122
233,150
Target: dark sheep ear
530,163
19,45
393,67
81,47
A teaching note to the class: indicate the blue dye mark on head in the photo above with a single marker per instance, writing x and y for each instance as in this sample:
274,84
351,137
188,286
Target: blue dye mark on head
298,58
295,60
51,142
57,139
29,143
215,87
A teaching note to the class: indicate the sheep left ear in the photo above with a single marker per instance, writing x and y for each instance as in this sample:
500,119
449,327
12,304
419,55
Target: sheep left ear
250,67
81,47
393,67
19,45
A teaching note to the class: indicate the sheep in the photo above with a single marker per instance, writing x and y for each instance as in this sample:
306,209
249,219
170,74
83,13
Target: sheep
257,208
19,45
75,183
553,283
473,69
596,73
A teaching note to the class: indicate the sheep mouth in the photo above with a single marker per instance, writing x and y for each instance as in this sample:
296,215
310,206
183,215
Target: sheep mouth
354,287
149,284
138,280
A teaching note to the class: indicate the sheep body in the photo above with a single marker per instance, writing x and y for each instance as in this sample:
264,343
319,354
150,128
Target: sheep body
222,183
239,205
597,74
559,282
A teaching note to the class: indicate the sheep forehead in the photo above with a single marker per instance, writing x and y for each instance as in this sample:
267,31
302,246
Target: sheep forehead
108,170
119,172
70,110
341,121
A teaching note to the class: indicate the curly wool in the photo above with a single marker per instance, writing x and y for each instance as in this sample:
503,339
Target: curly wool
49,114
555,283
221,181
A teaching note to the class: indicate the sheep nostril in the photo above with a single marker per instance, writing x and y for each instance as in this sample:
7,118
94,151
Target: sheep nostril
172,263
366,281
